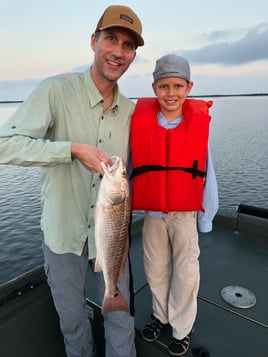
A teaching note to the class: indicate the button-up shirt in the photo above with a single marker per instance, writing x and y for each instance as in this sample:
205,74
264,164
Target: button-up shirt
64,109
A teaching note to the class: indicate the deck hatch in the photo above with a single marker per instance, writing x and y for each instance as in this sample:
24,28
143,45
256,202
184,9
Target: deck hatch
238,296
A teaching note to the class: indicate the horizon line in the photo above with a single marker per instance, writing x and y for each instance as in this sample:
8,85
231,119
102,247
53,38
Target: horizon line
190,96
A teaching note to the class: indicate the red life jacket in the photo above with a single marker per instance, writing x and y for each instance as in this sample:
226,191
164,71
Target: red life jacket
168,164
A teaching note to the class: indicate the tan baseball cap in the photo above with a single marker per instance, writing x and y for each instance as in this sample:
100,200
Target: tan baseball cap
121,16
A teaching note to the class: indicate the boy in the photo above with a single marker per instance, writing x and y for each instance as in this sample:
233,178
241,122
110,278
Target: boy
174,183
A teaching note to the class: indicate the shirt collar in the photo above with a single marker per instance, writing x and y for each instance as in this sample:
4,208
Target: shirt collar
94,94
162,120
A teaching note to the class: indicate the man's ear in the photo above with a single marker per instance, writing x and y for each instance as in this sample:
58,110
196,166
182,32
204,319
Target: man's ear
93,42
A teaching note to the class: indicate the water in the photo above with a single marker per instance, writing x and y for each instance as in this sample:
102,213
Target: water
20,234
238,141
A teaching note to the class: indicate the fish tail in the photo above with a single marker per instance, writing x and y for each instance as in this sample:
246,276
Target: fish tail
115,303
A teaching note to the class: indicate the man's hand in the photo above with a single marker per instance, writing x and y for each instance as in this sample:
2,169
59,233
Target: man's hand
90,157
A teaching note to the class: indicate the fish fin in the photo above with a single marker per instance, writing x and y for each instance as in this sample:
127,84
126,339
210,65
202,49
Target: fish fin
95,215
98,266
115,303
124,259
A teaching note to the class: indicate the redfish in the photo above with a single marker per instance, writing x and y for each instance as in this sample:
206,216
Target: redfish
112,217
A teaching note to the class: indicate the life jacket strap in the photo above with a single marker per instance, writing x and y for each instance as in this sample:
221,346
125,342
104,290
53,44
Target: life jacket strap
191,170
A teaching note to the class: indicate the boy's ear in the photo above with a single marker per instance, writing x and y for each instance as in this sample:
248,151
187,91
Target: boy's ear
154,87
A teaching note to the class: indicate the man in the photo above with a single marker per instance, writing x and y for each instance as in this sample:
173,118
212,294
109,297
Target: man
67,126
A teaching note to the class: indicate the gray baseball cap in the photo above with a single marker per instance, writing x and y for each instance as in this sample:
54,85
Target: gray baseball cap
172,66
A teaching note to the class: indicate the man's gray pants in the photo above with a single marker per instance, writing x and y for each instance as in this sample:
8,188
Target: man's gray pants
67,278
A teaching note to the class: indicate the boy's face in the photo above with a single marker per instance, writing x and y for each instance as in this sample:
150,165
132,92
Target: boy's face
171,94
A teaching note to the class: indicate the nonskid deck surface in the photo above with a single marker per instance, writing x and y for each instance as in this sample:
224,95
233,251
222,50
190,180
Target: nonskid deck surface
227,258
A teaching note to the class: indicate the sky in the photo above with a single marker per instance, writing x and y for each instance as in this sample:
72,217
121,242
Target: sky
226,43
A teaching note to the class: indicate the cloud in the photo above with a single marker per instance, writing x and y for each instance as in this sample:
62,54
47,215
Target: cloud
229,63
251,47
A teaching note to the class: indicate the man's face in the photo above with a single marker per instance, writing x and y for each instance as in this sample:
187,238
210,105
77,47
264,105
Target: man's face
115,49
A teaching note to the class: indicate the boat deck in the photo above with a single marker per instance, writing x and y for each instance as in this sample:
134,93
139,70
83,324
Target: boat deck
29,325
227,258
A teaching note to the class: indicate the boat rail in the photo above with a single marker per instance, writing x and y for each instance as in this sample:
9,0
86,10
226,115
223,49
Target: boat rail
249,210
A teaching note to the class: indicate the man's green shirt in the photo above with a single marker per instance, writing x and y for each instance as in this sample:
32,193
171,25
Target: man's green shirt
64,109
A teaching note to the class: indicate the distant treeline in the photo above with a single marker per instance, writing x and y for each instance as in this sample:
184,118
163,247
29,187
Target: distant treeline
229,95
220,95
190,96
11,101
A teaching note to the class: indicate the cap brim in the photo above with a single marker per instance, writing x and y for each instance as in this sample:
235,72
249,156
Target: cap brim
139,39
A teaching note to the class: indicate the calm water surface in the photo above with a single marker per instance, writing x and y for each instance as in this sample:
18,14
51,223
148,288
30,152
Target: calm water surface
238,141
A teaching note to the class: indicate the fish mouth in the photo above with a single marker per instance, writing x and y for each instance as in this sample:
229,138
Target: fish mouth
115,163
115,160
